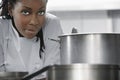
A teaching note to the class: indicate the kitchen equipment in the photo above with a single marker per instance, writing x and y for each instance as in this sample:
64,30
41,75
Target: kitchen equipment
84,72
12,75
93,48
30,76
79,72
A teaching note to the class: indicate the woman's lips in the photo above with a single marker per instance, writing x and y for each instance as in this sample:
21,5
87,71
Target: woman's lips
31,31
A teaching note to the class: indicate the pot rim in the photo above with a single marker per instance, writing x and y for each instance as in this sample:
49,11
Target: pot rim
86,66
74,34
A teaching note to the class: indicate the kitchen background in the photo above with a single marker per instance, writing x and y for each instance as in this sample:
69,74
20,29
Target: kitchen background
88,16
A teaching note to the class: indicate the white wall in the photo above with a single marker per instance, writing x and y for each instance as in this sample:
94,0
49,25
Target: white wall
89,16
115,15
85,21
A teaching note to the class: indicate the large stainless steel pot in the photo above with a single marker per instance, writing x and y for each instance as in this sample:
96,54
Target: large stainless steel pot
12,75
95,48
79,72
84,72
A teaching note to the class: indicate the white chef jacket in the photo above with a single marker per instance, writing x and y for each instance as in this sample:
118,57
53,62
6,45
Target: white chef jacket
22,54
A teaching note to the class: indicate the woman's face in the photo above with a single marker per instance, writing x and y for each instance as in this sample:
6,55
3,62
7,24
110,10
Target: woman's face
29,16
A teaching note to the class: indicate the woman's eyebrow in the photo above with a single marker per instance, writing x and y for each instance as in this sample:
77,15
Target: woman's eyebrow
27,7
43,7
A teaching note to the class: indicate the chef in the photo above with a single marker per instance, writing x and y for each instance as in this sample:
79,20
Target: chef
28,36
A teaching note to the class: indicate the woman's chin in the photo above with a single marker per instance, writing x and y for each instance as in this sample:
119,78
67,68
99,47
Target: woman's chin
30,36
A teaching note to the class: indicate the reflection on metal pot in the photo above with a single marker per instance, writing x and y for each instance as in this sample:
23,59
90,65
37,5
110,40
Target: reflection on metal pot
96,48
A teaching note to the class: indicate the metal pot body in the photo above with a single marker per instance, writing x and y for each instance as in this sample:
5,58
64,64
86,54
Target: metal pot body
12,75
83,72
90,48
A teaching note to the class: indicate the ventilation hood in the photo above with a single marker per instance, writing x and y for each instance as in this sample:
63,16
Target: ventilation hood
71,5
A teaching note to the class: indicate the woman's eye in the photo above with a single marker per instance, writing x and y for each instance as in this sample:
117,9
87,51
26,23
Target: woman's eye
41,13
25,12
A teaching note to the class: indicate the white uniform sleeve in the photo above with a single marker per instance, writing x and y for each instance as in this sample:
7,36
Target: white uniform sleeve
1,46
52,30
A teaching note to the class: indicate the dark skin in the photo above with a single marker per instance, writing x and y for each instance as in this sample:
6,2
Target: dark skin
28,16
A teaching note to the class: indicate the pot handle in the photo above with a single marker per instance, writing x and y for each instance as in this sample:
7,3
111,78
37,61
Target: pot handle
28,77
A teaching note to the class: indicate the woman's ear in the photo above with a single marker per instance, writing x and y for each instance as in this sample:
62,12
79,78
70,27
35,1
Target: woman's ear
10,9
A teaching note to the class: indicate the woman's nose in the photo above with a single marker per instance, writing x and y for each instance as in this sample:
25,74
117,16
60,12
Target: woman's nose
34,20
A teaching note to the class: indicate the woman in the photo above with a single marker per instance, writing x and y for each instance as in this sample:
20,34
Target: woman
28,36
